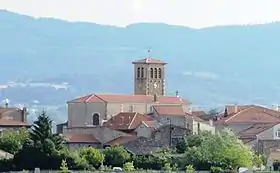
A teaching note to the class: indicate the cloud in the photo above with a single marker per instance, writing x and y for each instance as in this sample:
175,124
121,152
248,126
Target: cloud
203,75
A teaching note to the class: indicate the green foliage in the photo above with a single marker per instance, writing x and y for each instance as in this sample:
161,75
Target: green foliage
190,169
11,141
149,162
216,169
181,146
105,168
128,166
116,156
93,156
222,150
167,167
257,160
41,134
64,167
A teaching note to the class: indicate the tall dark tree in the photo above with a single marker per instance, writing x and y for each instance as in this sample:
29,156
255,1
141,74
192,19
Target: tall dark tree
41,134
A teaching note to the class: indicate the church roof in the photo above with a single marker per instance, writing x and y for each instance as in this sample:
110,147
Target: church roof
93,98
148,61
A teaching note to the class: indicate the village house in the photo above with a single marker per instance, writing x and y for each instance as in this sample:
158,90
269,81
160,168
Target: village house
12,118
256,126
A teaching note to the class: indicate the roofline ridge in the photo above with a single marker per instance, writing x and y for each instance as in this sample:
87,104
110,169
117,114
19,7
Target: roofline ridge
238,113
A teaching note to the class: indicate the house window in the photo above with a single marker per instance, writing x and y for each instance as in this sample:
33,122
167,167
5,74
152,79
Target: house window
142,72
138,72
95,119
277,133
152,72
159,73
155,73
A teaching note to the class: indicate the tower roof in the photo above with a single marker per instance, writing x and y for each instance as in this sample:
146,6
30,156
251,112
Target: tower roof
149,61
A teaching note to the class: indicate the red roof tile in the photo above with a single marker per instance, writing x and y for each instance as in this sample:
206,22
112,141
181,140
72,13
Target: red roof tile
130,99
251,133
249,114
80,138
169,109
122,140
127,120
148,61
8,122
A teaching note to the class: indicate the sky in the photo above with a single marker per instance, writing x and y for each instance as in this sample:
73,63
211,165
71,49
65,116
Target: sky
191,13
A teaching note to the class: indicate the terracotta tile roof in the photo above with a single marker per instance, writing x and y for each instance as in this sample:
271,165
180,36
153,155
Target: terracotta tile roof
122,140
251,133
169,110
4,110
81,138
256,129
249,114
127,120
148,61
130,99
8,122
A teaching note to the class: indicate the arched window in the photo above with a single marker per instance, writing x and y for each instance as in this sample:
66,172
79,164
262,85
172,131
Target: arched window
159,73
155,72
142,72
138,72
95,119
152,72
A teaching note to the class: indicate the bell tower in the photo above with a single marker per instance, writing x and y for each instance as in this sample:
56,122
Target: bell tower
149,78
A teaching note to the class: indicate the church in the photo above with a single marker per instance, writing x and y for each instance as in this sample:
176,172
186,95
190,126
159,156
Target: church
149,90
114,119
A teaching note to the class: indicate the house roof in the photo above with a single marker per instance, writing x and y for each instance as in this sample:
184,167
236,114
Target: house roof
8,122
127,120
105,98
81,138
151,124
4,110
122,140
256,129
248,114
149,61
251,133
169,110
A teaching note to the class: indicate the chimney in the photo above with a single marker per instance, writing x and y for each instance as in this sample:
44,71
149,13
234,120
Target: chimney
6,103
235,108
155,98
24,114
177,94
121,107
226,112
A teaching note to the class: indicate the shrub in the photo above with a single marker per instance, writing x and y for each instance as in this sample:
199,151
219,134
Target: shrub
216,169
128,166
190,169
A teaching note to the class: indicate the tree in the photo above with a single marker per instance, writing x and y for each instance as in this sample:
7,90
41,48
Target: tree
116,156
222,150
64,167
41,134
93,156
11,141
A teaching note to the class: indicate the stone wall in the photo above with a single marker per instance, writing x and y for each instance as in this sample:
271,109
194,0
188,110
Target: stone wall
166,136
